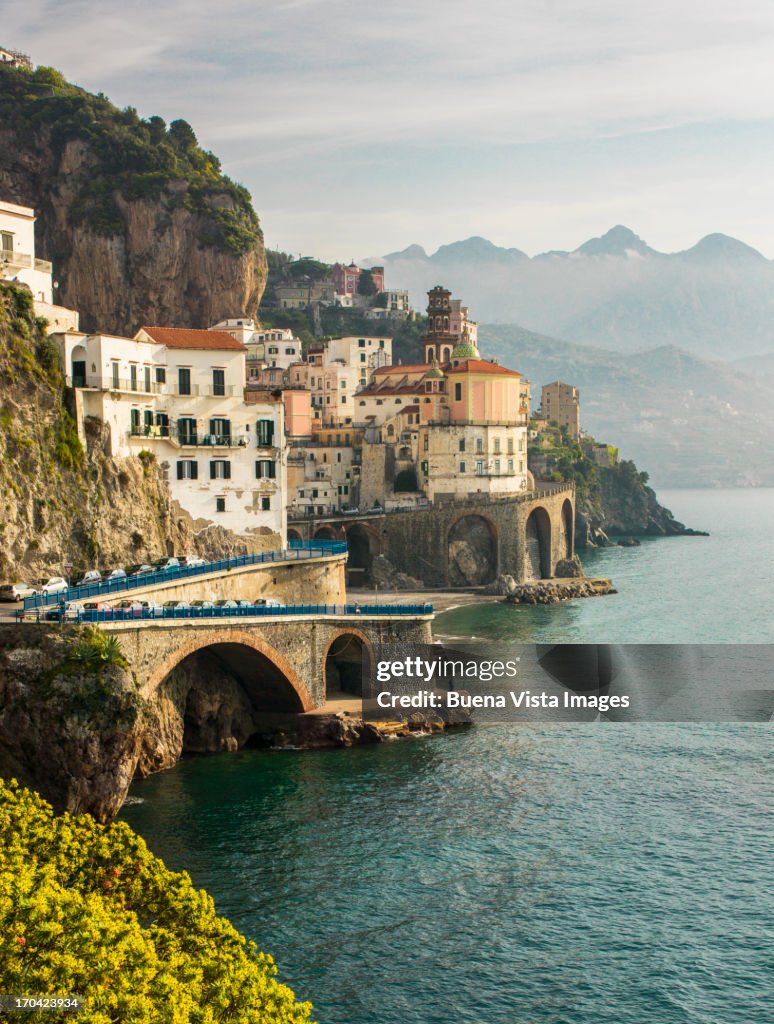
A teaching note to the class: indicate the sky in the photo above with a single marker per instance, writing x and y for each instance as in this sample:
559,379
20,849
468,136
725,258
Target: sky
362,128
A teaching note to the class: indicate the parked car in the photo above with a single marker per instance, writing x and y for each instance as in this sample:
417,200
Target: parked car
166,563
202,604
152,608
56,585
97,606
74,610
193,560
135,607
228,604
91,576
140,570
268,602
176,604
114,574
350,511
16,591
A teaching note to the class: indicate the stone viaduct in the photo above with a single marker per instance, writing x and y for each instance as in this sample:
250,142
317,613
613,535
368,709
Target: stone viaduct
287,664
459,542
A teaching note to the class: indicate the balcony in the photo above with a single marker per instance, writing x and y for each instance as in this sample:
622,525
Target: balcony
23,261
187,439
133,387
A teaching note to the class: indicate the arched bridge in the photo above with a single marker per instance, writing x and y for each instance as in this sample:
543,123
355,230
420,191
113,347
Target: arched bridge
460,542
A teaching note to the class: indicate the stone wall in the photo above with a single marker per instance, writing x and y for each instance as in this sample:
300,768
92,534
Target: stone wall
471,541
306,581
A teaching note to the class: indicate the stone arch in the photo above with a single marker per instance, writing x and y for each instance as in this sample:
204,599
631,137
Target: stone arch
294,535
363,544
446,353
348,655
537,545
568,528
472,550
78,366
325,533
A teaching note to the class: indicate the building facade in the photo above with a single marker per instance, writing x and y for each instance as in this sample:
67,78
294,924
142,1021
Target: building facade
560,404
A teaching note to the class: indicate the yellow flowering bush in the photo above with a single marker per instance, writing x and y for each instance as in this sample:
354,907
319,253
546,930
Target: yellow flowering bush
87,910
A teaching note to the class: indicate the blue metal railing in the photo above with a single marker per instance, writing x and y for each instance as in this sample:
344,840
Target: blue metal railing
298,551
253,611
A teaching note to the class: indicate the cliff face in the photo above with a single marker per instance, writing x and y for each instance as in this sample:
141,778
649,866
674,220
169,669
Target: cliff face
61,502
141,225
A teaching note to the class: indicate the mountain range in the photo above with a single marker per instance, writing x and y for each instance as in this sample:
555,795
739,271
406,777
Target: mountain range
690,421
715,299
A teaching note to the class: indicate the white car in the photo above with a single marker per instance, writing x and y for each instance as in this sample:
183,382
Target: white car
268,602
193,560
92,576
114,574
16,591
56,585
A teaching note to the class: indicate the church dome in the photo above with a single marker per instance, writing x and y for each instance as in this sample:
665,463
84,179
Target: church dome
434,374
464,351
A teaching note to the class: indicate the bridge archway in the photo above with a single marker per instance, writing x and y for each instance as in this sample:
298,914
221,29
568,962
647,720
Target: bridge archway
472,551
568,529
537,544
325,533
294,535
222,691
348,656
363,545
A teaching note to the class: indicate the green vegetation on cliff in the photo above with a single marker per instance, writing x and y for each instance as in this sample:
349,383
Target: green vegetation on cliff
130,156
612,496
87,909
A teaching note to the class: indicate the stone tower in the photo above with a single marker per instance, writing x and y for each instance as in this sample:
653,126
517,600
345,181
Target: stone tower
438,339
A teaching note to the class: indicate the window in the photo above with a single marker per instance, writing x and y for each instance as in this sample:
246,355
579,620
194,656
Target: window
218,382
462,444
462,467
186,430
497,445
480,467
161,375
116,380
220,504
133,377
134,420
265,504
497,466
362,403
220,469
510,465
184,380
187,469
265,429
362,357
6,242
426,442
265,469
147,377
220,430
510,446
361,343
479,445
458,392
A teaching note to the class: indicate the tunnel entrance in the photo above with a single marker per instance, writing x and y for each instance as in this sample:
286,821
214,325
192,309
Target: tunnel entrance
344,665
472,552
537,560
220,697
362,547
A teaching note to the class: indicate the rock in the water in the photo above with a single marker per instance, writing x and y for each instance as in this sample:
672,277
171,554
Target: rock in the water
569,567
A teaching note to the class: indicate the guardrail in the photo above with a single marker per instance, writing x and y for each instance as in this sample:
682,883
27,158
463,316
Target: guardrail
298,551
254,611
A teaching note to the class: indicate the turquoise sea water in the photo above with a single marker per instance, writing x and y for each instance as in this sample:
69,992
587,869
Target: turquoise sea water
522,874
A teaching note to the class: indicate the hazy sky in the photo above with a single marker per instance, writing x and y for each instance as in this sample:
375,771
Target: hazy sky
360,128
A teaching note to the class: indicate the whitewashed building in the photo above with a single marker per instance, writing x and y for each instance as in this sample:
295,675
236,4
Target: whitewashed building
179,394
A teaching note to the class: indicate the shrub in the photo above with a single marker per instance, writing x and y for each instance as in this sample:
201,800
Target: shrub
87,909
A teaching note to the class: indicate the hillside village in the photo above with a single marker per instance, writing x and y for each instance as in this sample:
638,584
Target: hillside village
254,432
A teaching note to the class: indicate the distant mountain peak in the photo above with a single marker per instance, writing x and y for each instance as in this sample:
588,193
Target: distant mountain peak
616,242
719,246
476,248
411,252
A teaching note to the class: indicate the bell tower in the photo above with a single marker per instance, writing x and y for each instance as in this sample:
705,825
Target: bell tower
438,339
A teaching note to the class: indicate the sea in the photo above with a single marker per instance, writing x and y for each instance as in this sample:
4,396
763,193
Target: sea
523,873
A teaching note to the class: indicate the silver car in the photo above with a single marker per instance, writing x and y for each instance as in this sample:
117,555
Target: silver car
16,591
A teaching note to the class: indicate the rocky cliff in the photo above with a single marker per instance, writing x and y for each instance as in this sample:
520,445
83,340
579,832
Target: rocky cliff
63,502
139,221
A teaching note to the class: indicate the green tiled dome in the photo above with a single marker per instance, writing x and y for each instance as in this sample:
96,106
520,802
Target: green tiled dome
464,351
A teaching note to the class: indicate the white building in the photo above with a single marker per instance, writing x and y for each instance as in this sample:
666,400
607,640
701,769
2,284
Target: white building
19,265
338,369
271,346
179,393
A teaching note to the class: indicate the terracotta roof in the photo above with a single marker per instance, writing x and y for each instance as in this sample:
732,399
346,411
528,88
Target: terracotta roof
401,368
481,366
188,337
